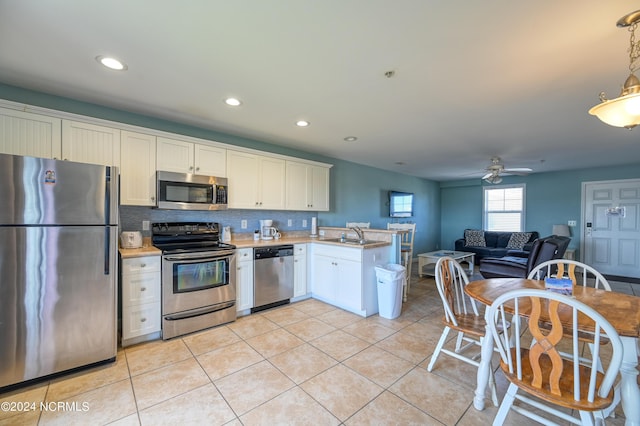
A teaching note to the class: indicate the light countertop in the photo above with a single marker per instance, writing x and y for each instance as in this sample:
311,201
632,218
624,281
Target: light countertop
379,238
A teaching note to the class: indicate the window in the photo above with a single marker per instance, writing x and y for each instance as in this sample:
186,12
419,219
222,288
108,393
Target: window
504,208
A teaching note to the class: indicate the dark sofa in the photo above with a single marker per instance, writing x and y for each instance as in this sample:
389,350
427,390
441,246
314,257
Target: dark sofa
496,245
517,265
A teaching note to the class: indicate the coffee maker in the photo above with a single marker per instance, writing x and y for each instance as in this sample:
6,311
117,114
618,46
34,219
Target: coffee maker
267,231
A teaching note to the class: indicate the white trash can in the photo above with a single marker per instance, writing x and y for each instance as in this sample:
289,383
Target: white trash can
390,279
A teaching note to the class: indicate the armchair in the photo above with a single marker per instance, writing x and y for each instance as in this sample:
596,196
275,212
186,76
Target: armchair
516,266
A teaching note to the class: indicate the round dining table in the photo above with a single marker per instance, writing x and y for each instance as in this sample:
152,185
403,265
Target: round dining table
621,310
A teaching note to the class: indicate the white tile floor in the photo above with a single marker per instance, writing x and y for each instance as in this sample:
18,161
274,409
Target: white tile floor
305,363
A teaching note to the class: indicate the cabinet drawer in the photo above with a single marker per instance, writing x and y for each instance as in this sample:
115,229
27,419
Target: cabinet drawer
141,320
140,264
299,249
245,254
140,288
345,253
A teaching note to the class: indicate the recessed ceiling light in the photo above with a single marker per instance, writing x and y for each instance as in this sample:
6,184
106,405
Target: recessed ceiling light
232,102
112,63
302,123
350,138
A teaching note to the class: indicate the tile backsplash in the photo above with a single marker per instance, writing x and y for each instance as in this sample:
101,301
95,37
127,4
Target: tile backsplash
131,218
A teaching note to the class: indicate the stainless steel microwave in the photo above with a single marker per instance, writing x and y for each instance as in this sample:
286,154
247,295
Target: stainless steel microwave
186,191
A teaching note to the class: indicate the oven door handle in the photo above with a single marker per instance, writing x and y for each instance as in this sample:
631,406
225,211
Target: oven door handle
194,256
199,312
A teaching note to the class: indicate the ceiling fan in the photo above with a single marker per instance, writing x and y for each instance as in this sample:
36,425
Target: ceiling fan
496,169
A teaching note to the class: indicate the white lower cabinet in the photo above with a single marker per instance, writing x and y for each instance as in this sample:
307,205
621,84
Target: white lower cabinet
345,277
244,280
299,271
141,289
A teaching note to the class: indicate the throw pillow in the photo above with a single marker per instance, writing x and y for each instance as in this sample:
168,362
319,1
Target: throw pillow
518,240
474,238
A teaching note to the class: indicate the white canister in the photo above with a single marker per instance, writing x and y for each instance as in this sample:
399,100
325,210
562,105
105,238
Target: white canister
226,234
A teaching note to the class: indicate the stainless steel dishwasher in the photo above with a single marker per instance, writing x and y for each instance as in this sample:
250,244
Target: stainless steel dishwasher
273,276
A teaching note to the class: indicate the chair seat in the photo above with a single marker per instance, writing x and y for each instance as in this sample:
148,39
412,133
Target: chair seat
566,398
469,324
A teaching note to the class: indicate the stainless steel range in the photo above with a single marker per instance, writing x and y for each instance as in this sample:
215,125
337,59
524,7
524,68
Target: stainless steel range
198,277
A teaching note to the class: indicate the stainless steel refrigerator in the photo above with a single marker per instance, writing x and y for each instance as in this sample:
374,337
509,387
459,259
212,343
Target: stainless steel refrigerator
58,266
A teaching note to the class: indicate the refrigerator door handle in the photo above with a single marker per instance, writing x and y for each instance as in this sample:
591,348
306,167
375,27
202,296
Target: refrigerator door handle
107,196
107,246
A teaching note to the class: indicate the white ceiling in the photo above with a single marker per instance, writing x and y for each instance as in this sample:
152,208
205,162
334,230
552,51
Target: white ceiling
472,79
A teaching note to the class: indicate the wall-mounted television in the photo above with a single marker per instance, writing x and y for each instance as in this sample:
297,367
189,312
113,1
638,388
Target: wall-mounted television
400,204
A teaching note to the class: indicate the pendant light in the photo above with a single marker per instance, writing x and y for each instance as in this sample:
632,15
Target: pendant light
624,111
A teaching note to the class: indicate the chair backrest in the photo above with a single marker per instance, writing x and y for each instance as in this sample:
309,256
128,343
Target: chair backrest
538,368
407,237
358,224
586,276
451,281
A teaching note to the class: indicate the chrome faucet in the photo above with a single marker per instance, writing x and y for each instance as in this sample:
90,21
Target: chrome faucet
359,232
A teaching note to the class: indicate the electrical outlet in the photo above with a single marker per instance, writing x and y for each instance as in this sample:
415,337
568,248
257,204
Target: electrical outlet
304,223
289,222
145,225
572,223
243,224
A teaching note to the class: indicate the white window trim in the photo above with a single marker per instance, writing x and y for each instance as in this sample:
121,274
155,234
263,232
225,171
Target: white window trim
524,202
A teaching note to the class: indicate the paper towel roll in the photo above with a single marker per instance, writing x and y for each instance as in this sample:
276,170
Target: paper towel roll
314,226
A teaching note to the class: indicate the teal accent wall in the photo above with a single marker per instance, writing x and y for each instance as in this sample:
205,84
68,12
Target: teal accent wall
361,194
551,198
358,193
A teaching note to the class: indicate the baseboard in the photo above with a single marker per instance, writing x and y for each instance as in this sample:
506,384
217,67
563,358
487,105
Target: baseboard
630,280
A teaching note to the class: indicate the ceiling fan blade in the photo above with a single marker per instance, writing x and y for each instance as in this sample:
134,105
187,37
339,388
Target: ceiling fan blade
488,175
518,170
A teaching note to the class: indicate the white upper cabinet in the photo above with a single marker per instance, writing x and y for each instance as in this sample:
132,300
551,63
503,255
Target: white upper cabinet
23,133
188,157
255,181
210,160
89,143
138,169
307,187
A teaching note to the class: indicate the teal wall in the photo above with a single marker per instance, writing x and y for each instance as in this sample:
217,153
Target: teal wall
551,198
358,193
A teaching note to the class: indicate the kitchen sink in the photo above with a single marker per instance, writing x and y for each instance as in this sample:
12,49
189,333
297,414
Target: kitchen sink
350,241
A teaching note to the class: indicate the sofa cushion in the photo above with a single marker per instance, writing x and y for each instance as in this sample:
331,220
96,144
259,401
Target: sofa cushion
474,238
518,240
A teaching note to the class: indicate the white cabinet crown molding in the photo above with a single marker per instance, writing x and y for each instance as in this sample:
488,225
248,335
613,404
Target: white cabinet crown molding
18,106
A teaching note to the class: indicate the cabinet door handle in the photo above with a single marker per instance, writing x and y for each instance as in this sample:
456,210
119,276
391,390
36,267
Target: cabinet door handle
143,289
153,198
143,319
143,265
197,168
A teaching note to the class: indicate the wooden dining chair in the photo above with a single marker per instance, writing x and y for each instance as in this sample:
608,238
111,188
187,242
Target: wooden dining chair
406,249
580,273
461,315
539,377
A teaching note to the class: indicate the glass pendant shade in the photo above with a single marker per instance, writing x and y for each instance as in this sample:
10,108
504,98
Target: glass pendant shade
623,111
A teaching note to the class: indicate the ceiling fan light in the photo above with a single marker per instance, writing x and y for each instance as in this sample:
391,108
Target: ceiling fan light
494,179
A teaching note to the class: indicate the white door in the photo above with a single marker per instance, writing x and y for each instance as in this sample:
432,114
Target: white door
611,227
